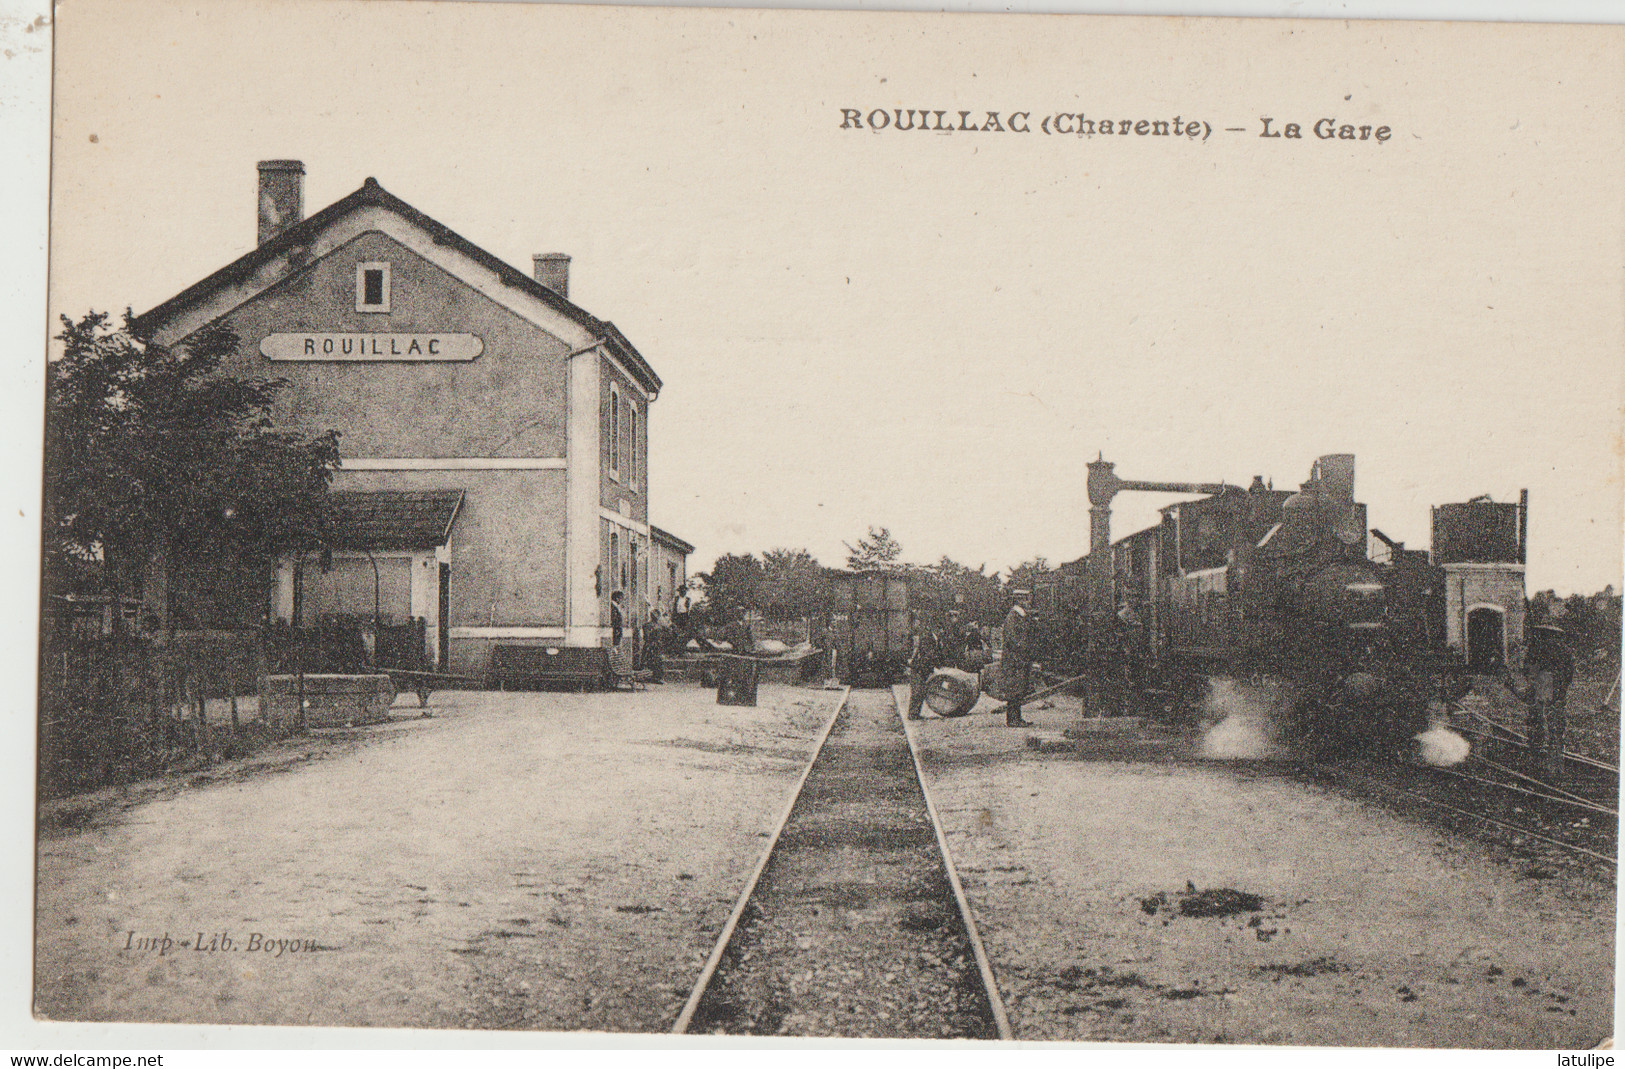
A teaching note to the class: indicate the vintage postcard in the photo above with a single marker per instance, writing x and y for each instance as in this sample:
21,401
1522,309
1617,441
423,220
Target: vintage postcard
567,520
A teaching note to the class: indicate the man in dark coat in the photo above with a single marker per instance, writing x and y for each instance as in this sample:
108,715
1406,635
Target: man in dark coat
617,619
926,655
654,648
1015,664
1548,666
738,634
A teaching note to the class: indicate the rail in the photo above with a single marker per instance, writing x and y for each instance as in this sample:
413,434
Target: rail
984,965
686,1017
736,944
1508,734
1425,800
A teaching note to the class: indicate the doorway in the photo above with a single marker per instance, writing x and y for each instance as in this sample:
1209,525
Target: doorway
1486,640
443,640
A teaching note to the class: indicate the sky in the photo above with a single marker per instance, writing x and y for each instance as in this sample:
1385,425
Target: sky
935,332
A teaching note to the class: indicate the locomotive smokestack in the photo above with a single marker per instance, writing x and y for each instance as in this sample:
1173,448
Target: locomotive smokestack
1336,474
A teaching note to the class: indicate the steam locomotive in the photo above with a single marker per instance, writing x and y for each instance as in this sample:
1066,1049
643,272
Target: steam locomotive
1268,587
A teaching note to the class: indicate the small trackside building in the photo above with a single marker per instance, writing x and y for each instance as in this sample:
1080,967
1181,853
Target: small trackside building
494,434
1482,545
670,569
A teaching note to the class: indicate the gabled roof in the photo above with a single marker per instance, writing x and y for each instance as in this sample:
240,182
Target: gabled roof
371,194
390,519
669,539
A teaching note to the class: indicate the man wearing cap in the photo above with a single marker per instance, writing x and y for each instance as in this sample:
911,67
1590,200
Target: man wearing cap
1015,664
1549,668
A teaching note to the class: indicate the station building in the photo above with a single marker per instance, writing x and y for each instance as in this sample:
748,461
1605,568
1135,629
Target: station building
494,434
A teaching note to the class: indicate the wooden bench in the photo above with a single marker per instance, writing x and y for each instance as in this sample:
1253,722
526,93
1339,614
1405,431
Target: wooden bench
576,666
425,683
331,700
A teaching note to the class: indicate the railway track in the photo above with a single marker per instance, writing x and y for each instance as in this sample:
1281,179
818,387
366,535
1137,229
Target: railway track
854,922
1577,818
1598,774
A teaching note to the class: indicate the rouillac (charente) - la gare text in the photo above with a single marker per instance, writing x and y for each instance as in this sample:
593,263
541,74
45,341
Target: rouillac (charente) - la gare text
1081,125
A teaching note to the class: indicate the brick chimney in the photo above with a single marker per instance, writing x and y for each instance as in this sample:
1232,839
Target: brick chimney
552,269
282,196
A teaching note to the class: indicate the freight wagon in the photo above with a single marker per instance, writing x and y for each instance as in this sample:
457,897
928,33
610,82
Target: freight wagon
866,624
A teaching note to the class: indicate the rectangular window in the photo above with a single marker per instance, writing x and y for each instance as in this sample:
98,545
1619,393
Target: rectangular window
614,433
632,444
614,559
372,286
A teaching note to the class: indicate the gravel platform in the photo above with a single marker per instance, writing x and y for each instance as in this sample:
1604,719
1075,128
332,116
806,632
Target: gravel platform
853,930
522,861
1125,895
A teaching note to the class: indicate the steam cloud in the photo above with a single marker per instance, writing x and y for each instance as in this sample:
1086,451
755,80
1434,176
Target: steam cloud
1250,719
1442,747
1247,716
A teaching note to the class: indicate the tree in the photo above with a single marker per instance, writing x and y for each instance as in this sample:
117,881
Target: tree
792,583
1542,606
732,586
1029,574
1592,622
150,452
971,592
878,549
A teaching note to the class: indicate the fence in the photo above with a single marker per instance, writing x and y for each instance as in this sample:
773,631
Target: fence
116,705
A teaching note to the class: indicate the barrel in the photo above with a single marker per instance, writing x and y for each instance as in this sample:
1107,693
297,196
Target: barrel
950,692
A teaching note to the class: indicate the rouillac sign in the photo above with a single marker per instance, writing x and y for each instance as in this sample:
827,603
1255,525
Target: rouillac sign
372,346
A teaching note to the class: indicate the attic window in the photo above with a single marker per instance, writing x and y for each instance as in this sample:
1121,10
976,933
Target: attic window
372,286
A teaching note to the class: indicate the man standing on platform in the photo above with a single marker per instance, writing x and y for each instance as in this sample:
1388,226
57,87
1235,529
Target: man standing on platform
925,656
617,619
681,605
1015,664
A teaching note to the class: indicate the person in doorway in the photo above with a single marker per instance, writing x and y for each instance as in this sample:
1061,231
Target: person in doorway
1015,664
926,655
1548,669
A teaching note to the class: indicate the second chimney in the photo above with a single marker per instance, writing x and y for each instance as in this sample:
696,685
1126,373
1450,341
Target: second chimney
282,197
552,269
